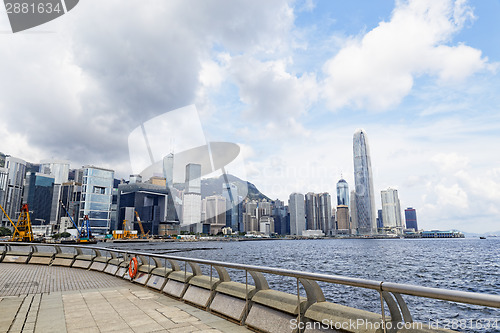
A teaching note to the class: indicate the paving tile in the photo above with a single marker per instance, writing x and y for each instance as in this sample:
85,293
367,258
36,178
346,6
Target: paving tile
90,301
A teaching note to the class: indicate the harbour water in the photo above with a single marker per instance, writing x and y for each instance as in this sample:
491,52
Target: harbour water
469,264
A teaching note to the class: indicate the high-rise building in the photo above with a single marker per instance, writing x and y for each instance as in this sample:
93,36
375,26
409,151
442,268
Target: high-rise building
342,193
296,207
311,205
56,168
318,210
4,176
97,195
411,218
266,225
365,199
230,192
343,219
12,198
325,221
216,213
168,169
191,203
391,210
250,217
354,213
279,215
380,219
38,195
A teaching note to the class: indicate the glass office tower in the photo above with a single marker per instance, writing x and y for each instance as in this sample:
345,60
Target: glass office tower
365,199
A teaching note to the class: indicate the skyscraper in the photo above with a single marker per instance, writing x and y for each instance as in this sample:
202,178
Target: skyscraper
230,192
354,213
216,213
311,206
391,210
296,207
191,204
411,218
365,200
342,193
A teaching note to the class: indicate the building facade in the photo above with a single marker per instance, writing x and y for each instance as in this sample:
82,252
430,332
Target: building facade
38,195
365,199
12,197
391,210
150,203
342,193
191,203
411,218
97,195
215,210
296,207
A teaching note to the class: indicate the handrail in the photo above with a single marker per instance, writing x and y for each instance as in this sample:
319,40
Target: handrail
381,286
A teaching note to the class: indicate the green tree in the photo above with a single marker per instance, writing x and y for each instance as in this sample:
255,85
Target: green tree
5,231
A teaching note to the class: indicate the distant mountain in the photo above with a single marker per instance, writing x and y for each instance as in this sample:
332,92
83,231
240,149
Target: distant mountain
485,234
211,186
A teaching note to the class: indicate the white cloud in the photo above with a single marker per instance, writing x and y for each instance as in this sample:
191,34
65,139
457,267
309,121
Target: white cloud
270,91
377,71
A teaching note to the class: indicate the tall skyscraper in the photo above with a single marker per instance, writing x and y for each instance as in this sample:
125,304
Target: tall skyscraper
230,192
191,204
411,218
342,193
311,205
365,199
325,213
391,210
296,207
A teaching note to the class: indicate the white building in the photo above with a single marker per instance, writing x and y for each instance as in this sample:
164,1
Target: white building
391,210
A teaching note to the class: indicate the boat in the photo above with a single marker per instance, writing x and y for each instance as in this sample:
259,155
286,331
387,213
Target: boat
482,237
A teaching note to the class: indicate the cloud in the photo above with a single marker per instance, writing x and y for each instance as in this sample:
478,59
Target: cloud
378,70
270,91
77,93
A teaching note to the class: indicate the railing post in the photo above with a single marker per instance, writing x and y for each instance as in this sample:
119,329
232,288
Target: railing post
383,310
298,302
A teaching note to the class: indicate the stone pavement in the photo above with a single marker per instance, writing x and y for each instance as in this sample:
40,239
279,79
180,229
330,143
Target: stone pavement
93,306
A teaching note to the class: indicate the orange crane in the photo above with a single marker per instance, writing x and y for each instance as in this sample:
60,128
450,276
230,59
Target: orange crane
22,230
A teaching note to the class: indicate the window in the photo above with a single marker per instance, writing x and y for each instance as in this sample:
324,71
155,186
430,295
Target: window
99,190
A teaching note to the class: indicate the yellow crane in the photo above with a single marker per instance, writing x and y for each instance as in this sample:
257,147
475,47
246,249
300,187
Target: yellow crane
22,230
143,235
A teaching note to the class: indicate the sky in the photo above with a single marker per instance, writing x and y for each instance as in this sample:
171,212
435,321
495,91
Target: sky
288,81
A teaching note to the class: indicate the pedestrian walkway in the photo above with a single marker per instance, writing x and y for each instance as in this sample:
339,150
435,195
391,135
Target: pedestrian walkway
37,298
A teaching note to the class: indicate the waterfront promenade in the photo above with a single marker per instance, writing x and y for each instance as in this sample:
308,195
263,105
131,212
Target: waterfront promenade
39,298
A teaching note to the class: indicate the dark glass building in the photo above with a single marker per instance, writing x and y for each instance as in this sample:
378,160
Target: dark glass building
38,196
411,218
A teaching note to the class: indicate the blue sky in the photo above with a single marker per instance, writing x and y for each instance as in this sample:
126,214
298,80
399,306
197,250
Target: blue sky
290,81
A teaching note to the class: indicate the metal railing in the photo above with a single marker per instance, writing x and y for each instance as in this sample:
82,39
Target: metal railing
390,293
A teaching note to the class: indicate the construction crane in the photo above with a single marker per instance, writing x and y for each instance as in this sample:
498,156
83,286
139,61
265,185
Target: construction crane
143,235
22,230
84,233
